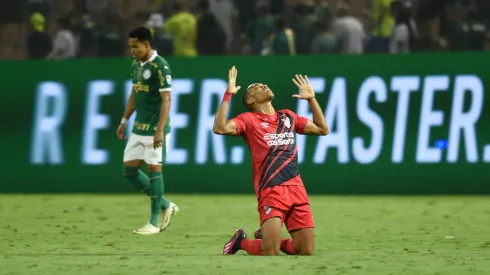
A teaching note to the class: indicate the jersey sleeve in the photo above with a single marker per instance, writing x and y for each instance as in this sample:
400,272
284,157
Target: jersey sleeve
300,123
164,77
241,124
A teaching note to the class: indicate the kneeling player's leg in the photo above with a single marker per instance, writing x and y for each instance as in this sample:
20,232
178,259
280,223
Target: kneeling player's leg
271,236
272,209
287,245
271,220
301,227
270,242
300,224
304,241
268,245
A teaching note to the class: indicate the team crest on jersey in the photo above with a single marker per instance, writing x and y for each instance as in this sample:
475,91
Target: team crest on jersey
147,74
287,122
264,125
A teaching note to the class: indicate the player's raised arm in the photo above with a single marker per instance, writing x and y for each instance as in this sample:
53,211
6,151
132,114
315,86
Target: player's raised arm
222,126
130,107
318,126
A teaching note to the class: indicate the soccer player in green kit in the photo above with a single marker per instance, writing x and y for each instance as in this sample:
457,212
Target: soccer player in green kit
150,98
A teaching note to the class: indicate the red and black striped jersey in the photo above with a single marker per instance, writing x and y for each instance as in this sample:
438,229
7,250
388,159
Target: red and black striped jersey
272,143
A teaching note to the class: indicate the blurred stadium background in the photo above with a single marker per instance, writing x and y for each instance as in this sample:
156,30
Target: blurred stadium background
402,83
436,24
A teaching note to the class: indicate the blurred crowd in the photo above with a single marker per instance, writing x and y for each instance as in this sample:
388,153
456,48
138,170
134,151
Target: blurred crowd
189,28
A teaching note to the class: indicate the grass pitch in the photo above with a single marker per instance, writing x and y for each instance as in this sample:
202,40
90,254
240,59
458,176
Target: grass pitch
92,234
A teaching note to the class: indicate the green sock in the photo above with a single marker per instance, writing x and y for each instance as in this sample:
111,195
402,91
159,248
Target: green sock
137,178
155,194
165,202
142,183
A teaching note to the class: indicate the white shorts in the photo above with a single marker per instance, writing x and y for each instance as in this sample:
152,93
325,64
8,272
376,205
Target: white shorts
141,148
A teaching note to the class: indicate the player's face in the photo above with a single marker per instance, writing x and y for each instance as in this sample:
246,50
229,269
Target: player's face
139,49
261,93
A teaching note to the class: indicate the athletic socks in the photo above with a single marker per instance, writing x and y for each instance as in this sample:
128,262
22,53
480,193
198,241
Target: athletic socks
287,246
142,183
137,178
254,247
155,193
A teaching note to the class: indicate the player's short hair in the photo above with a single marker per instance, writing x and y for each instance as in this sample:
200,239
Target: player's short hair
246,95
244,100
141,33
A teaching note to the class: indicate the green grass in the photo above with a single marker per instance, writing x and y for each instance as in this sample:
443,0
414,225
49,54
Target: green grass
92,234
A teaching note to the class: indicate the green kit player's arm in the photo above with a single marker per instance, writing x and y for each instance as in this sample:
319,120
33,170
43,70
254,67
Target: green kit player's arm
164,111
127,114
164,80
130,107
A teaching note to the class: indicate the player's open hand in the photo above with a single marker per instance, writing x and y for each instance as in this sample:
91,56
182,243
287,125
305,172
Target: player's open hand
305,90
121,130
232,88
158,140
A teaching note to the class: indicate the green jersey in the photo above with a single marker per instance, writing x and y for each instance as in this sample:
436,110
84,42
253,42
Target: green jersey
150,78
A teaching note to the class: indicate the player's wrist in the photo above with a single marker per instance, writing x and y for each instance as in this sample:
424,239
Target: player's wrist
227,96
124,121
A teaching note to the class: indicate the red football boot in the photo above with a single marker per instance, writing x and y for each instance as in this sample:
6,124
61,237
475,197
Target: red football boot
234,244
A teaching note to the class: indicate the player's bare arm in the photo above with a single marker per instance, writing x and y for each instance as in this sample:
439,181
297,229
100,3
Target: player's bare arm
130,107
164,111
222,126
319,125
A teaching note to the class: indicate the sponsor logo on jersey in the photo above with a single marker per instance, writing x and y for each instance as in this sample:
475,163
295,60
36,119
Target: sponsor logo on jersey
279,139
147,74
287,122
169,79
264,125
140,87
142,126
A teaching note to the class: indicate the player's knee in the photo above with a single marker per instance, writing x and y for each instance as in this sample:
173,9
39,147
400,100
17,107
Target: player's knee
130,171
271,251
271,248
153,168
306,251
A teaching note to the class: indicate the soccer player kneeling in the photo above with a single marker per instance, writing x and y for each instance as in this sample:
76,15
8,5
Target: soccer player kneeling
281,195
